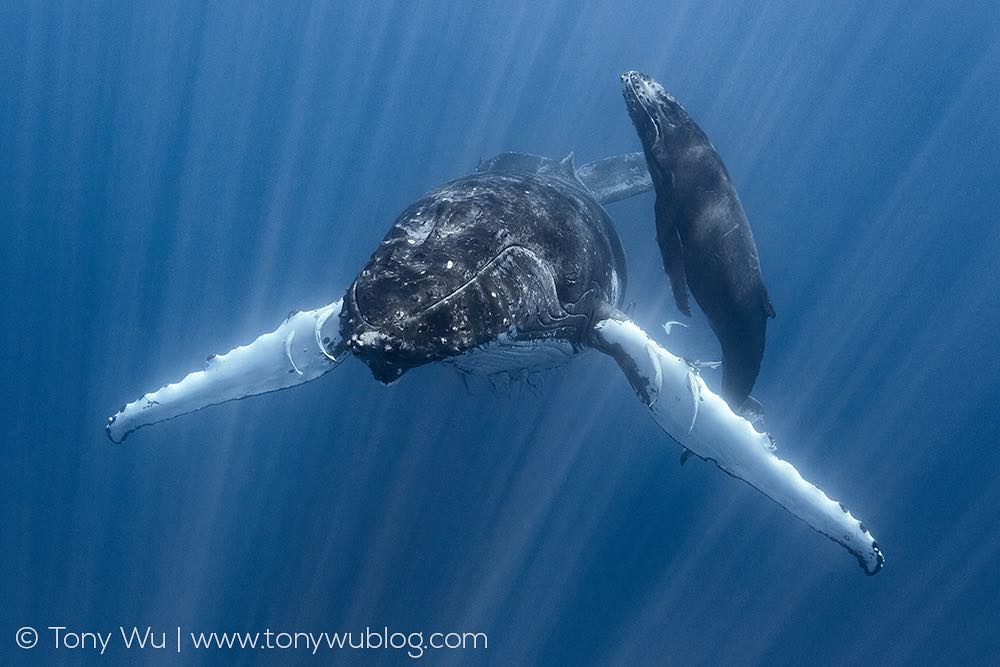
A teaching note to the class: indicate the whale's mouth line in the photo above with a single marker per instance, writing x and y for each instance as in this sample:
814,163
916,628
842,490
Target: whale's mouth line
357,306
404,322
478,274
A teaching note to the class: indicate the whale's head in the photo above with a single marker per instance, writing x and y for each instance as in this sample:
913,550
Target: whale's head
420,298
657,116
388,320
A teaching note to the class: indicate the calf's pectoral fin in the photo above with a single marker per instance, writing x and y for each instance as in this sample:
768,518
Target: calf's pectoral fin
741,356
663,382
672,251
304,347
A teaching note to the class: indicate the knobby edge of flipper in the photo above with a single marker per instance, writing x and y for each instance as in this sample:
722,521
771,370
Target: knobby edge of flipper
304,347
662,380
752,411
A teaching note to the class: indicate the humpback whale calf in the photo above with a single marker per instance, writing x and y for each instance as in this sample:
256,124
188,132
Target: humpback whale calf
703,234
515,266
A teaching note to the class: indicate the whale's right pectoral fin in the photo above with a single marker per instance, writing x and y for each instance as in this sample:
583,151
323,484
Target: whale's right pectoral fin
304,347
681,403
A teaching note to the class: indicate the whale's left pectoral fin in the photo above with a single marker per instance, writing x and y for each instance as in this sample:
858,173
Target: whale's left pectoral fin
681,403
615,178
304,347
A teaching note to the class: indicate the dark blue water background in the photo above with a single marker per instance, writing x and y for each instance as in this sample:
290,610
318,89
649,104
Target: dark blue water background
175,177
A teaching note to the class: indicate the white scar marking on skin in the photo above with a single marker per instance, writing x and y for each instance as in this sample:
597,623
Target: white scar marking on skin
667,326
288,351
696,396
657,373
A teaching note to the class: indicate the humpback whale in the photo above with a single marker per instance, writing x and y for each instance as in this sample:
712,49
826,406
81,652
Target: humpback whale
514,266
518,253
703,233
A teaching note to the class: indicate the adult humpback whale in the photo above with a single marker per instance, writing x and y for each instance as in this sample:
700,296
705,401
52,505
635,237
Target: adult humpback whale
514,266
703,233
518,254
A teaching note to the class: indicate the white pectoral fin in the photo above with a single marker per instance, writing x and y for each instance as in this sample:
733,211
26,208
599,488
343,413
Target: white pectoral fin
301,349
719,435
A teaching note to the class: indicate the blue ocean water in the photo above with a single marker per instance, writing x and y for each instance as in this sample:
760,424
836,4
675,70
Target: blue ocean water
176,177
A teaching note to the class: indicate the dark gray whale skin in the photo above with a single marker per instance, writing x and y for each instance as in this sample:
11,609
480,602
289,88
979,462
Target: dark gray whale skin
702,231
519,248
